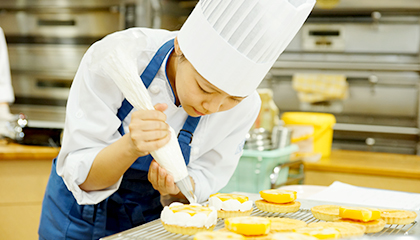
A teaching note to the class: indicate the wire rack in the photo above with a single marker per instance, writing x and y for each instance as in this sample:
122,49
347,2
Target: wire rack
154,230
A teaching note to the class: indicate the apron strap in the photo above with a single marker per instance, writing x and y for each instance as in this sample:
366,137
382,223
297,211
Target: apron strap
147,77
185,136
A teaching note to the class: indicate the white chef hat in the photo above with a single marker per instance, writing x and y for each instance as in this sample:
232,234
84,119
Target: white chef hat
234,43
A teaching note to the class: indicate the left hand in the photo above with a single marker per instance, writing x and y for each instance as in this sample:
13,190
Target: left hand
161,180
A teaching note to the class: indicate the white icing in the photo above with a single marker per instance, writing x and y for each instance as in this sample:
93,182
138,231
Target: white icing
230,204
186,220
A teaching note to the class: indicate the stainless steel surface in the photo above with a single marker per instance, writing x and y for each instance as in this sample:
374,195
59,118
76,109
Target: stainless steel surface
368,5
61,3
393,94
64,23
281,137
47,40
376,45
14,128
41,116
45,58
155,230
354,37
293,177
259,139
47,86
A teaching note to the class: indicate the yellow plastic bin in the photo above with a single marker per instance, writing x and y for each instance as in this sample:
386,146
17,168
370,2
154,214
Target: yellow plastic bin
323,128
254,168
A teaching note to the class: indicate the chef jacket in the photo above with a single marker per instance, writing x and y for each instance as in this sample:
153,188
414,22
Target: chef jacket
92,123
6,90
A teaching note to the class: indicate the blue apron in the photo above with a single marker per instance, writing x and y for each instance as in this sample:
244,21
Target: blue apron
134,203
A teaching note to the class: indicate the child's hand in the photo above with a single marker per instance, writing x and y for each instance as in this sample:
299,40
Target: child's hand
161,180
149,130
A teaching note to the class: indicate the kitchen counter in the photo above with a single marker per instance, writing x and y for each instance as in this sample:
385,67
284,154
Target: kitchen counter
24,172
373,163
370,169
13,151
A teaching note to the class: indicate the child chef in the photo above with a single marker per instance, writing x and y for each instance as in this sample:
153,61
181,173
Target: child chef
202,81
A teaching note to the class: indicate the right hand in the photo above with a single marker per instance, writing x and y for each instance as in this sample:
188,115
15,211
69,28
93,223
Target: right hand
149,130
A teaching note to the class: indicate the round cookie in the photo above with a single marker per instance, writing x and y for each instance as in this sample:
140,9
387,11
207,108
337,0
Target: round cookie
370,227
285,224
266,206
257,237
248,226
218,235
346,229
393,216
320,232
326,212
291,236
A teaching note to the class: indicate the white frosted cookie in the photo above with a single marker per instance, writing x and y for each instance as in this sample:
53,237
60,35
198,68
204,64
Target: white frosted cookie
230,205
188,219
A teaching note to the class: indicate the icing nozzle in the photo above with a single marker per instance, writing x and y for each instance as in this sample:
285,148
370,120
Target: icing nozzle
186,188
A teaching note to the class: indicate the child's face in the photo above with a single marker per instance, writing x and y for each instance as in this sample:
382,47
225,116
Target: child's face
198,96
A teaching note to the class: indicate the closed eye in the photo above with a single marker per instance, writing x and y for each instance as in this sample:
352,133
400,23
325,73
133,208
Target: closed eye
204,91
237,99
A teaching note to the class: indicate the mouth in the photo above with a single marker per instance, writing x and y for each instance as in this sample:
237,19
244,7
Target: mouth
199,113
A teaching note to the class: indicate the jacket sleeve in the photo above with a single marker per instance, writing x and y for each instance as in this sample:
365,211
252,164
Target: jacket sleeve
212,170
6,89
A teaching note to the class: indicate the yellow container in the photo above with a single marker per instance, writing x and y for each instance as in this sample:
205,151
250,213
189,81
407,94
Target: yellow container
323,128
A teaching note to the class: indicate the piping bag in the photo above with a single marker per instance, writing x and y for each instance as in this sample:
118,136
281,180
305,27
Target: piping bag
117,60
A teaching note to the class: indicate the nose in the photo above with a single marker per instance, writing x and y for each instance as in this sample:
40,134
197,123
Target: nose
213,104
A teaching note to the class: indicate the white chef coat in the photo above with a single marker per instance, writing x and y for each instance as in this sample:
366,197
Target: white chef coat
92,124
6,90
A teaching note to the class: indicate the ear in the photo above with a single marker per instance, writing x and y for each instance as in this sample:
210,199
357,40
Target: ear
176,47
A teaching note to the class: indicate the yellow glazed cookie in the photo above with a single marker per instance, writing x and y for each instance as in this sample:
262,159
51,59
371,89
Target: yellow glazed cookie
258,237
370,227
230,205
218,235
393,216
359,213
285,224
188,219
263,205
320,232
278,195
346,229
248,226
291,236
326,212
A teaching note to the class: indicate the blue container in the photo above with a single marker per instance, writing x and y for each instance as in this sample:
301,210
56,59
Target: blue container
254,168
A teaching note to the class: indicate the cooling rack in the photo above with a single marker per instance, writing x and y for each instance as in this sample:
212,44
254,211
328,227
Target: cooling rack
155,231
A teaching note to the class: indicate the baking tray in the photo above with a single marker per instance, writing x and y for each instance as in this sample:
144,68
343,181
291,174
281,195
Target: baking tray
154,230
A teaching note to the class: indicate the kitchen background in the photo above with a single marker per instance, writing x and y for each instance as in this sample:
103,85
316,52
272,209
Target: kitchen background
374,44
